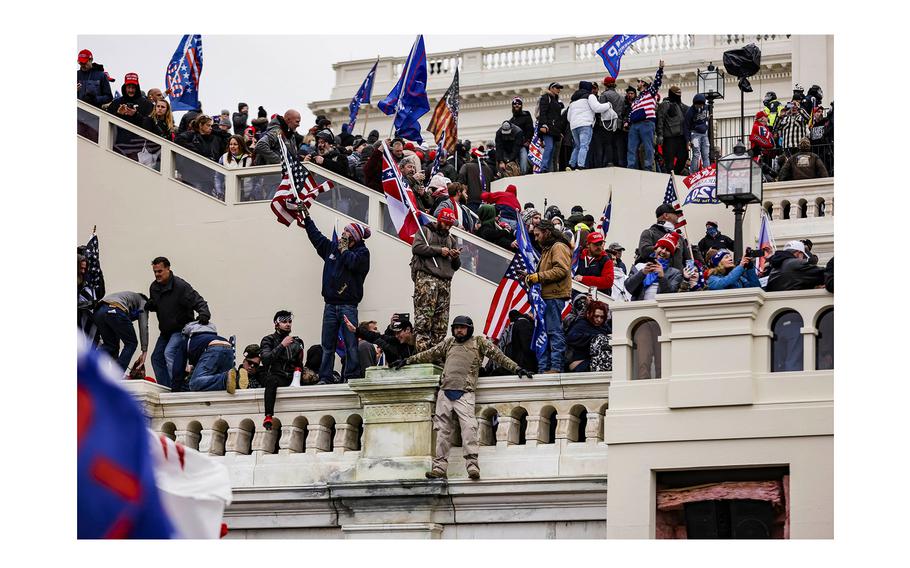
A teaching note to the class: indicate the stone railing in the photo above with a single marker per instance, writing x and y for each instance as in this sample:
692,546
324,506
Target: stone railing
804,199
734,40
380,427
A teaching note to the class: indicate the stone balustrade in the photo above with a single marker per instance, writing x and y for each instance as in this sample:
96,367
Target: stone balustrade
802,199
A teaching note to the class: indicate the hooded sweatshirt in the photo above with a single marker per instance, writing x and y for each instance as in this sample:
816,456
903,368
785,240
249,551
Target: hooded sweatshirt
94,86
143,106
583,107
489,230
508,197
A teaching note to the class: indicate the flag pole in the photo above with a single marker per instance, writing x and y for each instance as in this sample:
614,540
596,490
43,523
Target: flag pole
404,85
407,202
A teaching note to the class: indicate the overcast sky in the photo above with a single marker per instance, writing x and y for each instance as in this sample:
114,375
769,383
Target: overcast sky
277,72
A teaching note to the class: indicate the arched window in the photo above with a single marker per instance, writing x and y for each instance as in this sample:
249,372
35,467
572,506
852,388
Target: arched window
787,342
548,413
646,350
820,207
824,341
769,210
785,209
803,206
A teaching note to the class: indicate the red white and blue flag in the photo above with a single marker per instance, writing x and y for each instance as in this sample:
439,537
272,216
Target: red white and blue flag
612,51
511,294
671,198
400,199
605,220
702,186
184,72
298,188
535,152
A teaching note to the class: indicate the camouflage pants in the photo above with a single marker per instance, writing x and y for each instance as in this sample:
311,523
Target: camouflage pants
431,310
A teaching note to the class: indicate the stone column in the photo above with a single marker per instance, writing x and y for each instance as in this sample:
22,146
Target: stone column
397,419
345,437
536,427
238,442
187,438
212,442
291,441
321,437
567,427
504,434
593,428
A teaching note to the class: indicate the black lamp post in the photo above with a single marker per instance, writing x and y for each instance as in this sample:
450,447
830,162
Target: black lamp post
711,84
739,183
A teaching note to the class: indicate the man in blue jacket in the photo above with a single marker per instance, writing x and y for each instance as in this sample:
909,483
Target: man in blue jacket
92,83
347,263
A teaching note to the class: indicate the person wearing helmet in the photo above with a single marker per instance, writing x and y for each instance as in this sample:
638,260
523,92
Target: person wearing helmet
695,129
460,356
772,106
327,154
435,259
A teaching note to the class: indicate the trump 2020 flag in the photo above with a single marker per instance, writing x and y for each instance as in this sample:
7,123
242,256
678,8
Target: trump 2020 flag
529,257
702,186
362,97
183,73
612,51
408,99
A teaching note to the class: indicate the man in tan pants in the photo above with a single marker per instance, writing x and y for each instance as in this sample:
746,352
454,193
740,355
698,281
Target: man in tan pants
461,356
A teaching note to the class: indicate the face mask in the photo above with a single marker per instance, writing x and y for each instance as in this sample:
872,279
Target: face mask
712,232
668,225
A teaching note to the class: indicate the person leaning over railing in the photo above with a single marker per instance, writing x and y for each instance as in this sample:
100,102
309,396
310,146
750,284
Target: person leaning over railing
725,275
396,343
200,139
588,341
790,270
211,358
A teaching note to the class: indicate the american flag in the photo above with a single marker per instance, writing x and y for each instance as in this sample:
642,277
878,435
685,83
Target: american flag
511,294
299,187
535,152
94,278
605,220
670,198
440,155
444,122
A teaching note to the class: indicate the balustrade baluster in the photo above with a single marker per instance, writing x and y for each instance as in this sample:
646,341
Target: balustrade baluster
321,437
212,442
238,442
188,438
345,437
291,440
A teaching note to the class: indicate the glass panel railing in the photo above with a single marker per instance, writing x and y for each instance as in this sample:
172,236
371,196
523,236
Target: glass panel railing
144,150
199,176
345,200
87,125
474,258
257,187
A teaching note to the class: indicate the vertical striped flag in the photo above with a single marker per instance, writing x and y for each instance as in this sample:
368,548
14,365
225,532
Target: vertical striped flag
511,294
444,122
671,198
605,220
535,152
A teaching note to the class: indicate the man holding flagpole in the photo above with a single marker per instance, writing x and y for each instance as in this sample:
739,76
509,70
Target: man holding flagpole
436,258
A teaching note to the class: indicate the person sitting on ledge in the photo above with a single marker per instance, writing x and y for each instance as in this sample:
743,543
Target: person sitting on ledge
724,276
250,372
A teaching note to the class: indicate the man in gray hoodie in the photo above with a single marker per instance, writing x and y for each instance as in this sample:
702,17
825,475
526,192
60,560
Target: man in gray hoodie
114,317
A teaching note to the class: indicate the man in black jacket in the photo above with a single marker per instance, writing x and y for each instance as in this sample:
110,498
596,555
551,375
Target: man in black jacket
175,301
666,223
327,154
548,123
396,343
509,144
714,239
281,355
790,270
522,119
131,106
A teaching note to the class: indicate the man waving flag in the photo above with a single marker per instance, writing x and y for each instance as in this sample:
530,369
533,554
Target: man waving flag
298,189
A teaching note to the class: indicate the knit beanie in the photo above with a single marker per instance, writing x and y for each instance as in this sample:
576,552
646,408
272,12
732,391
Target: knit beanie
358,232
529,214
668,241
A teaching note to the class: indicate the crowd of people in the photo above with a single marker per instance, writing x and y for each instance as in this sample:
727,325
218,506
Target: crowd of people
596,129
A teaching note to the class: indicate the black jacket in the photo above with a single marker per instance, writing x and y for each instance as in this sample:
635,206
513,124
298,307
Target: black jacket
239,121
335,161
143,106
393,349
508,146
791,273
157,127
206,146
652,234
718,242
175,302
95,88
519,348
550,109
524,121
278,359
580,336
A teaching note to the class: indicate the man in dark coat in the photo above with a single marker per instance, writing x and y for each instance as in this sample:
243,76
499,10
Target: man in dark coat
714,239
790,270
666,223
131,106
548,120
347,263
92,84
522,119
174,300
327,154
281,354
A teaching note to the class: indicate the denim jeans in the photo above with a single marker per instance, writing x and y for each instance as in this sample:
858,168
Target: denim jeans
700,151
582,137
554,356
169,360
115,326
210,373
549,146
332,321
641,133
523,163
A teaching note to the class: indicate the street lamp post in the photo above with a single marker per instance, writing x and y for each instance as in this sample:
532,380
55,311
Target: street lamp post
711,84
739,182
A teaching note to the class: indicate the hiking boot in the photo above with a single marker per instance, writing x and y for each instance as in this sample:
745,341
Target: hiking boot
244,380
231,385
267,423
436,474
473,471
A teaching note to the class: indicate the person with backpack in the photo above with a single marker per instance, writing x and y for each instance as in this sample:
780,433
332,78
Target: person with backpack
671,133
604,149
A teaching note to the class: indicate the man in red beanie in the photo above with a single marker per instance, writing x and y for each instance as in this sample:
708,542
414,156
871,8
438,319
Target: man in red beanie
132,105
433,264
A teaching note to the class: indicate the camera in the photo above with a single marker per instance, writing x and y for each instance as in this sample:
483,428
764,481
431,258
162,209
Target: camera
753,253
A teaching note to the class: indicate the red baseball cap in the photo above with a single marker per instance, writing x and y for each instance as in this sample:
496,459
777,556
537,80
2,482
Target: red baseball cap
84,56
595,238
447,216
131,79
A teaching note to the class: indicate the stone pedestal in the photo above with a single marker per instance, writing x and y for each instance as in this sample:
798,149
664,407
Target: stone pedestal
397,420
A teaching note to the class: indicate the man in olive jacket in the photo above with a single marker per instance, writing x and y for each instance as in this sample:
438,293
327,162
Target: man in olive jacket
554,274
436,258
461,356
174,300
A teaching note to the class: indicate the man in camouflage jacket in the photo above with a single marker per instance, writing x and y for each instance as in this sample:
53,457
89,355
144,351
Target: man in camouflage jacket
461,356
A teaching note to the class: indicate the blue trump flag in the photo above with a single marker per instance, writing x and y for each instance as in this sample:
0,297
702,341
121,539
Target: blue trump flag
182,77
611,52
530,258
363,96
408,99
